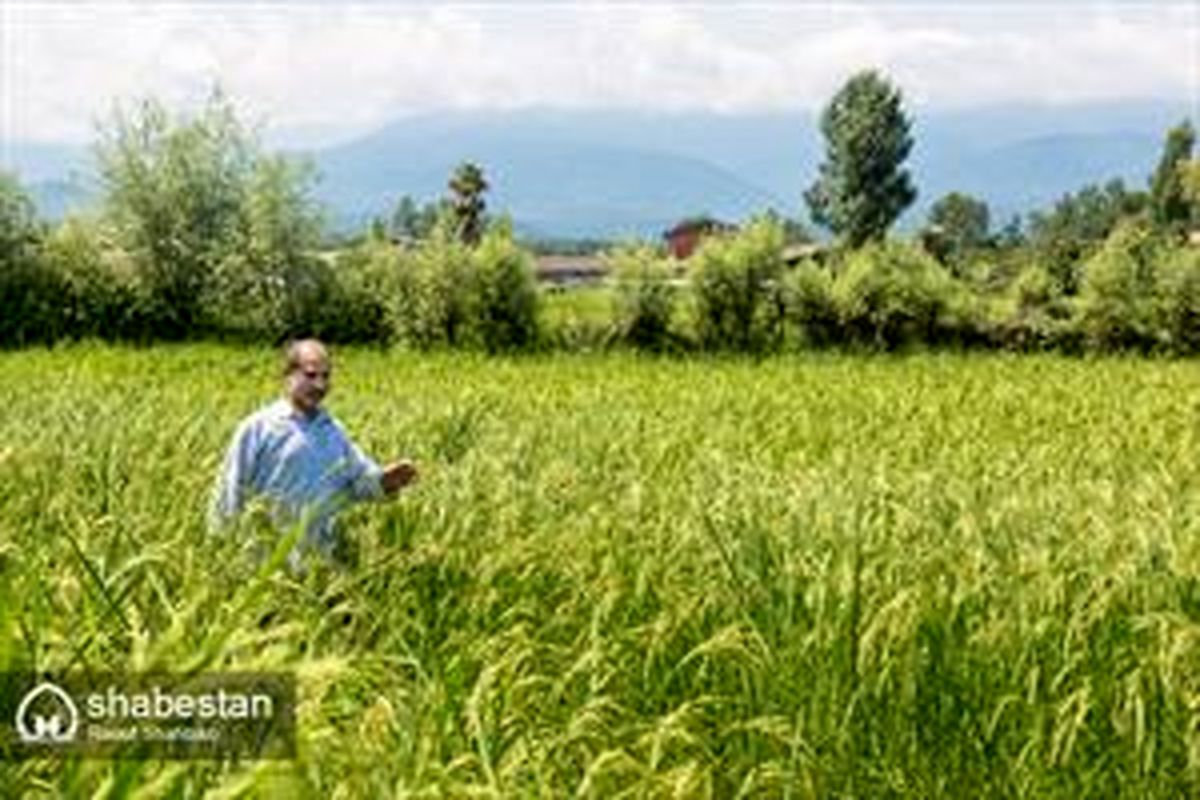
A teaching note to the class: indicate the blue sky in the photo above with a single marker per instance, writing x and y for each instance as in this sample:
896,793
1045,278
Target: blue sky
324,71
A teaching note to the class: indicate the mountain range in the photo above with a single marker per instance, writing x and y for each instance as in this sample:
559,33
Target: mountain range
592,173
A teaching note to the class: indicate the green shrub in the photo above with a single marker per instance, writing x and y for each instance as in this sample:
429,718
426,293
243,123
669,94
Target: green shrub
30,292
444,293
505,298
1032,314
891,294
808,291
374,272
31,298
434,303
644,297
1177,299
102,295
739,301
1115,307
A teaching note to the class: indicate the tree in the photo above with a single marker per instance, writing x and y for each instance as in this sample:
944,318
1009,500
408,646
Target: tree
219,231
30,294
467,186
1169,206
737,299
290,286
862,188
961,220
1116,296
1077,225
413,220
18,221
174,193
1189,177
1012,233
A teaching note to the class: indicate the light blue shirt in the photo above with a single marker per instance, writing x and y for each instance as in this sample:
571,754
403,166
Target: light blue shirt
305,467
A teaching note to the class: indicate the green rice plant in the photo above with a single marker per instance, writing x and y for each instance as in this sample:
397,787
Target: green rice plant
820,576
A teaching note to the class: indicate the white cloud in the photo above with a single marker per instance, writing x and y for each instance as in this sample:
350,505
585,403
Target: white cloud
334,67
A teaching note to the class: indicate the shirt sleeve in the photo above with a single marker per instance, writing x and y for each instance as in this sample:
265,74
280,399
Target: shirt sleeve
365,477
229,491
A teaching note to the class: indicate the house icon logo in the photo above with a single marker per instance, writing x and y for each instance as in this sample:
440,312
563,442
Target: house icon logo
47,715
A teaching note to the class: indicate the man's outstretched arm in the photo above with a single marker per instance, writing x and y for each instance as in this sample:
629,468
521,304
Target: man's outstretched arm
370,481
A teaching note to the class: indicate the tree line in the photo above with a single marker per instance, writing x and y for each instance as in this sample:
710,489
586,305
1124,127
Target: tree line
203,233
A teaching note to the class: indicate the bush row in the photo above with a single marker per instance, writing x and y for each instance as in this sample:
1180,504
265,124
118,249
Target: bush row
1140,291
1137,292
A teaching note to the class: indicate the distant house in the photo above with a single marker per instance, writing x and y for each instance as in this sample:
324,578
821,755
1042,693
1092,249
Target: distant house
565,271
684,238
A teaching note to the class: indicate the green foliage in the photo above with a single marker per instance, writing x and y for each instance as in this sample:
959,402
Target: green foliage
449,294
1177,299
578,318
221,234
891,294
794,231
1170,208
276,283
174,194
104,298
30,292
19,228
1012,234
737,296
937,576
958,225
414,221
506,300
862,186
1065,237
644,297
435,291
1033,313
808,290
1116,301
1189,182
467,186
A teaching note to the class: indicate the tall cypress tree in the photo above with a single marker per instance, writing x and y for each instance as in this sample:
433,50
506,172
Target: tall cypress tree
862,186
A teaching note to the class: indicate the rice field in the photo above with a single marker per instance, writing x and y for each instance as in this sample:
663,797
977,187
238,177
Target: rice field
813,576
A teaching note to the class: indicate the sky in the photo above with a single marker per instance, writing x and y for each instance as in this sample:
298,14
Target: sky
317,72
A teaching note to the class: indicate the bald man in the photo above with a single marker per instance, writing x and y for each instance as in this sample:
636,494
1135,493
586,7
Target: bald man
297,457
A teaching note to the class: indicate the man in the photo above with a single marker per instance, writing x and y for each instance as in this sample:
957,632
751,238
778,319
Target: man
296,456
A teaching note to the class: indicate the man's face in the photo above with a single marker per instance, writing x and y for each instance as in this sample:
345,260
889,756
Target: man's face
308,382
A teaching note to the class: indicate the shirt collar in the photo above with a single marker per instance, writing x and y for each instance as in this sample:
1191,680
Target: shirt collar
283,409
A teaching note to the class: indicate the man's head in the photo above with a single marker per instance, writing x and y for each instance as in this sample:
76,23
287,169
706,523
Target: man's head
306,373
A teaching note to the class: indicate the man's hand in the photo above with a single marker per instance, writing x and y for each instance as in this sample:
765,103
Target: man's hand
398,475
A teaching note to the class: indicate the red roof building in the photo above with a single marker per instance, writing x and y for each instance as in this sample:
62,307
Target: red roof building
684,238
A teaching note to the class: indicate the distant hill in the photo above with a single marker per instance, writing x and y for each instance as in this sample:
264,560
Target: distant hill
564,173
553,185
